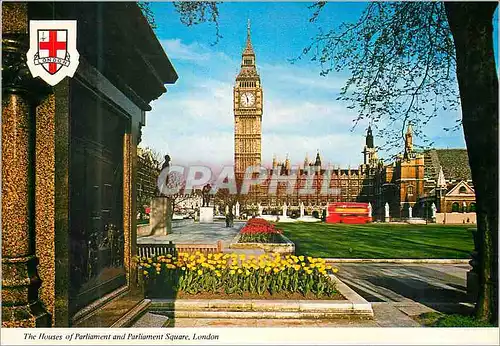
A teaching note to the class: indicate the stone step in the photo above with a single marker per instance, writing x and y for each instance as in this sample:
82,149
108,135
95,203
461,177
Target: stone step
260,314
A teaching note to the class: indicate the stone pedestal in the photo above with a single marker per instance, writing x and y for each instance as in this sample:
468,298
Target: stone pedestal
206,215
160,223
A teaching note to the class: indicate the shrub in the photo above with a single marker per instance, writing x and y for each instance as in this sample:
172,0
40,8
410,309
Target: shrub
231,273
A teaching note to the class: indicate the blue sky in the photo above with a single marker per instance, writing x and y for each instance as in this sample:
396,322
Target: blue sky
193,121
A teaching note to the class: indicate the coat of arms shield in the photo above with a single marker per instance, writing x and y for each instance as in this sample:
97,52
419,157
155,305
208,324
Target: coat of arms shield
52,54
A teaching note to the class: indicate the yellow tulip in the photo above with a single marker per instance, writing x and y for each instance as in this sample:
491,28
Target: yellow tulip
232,271
145,272
301,258
200,271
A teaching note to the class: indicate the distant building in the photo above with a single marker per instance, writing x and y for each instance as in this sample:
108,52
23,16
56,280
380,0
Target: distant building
416,179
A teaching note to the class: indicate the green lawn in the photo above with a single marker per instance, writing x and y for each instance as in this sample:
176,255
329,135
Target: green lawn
380,240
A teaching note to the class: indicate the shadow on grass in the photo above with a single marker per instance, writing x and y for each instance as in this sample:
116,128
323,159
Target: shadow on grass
376,241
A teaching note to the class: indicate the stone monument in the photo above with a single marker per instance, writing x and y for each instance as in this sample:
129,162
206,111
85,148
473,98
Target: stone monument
434,209
387,216
369,210
161,206
410,212
301,209
285,209
237,214
259,207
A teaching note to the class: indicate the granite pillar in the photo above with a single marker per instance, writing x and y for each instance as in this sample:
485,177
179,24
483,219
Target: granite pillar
21,306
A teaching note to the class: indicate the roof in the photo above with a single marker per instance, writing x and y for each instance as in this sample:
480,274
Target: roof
454,162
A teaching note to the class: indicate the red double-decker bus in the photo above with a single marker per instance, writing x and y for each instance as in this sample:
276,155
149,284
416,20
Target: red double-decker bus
348,212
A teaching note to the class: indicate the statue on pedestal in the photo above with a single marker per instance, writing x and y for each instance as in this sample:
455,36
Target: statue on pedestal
301,209
386,207
206,195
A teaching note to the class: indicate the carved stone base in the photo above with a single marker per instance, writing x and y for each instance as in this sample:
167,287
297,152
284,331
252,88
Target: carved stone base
20,284
25,316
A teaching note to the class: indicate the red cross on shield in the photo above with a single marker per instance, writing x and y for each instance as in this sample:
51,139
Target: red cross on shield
52,49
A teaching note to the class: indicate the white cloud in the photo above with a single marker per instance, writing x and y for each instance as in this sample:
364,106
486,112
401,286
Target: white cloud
191,52
301,77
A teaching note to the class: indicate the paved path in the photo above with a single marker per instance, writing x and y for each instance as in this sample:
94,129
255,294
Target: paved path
441,287
196,233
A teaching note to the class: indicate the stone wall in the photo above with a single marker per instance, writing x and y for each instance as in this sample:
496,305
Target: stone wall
456,218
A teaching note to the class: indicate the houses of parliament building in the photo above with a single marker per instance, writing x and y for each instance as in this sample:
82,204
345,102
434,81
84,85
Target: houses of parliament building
416,179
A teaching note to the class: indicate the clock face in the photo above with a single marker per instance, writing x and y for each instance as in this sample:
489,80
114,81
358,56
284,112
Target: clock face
247,99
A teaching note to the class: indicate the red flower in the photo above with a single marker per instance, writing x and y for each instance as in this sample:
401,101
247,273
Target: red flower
259,226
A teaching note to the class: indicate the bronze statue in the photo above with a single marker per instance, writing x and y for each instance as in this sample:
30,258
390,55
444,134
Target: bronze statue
205,192
166,163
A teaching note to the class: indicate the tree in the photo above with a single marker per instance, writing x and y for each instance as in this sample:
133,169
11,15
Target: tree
406,60
148,169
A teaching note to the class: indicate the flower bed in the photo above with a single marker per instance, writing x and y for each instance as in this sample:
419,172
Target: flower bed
260,234
166,276
260,231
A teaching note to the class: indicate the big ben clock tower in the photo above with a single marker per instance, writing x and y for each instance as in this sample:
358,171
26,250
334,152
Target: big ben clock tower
247,101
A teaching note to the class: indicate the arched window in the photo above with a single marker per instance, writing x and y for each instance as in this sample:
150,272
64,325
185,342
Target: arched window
462,189
410,190
455,207
472,207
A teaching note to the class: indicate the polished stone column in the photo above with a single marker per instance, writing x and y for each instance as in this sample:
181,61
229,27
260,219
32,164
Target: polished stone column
20,93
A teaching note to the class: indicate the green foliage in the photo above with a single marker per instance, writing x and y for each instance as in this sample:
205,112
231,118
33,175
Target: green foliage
402,65
148,13
197,12
380,240
260,238
436,319
460,321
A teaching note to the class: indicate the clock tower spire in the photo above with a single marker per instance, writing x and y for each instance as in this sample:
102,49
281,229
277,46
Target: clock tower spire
247,106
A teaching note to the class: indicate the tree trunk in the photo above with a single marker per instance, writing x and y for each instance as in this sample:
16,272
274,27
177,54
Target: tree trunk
472,29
